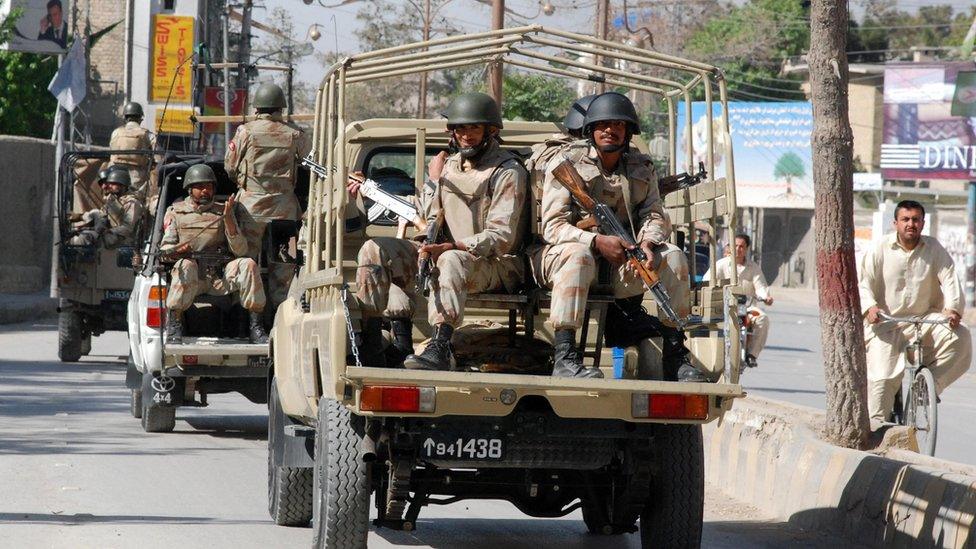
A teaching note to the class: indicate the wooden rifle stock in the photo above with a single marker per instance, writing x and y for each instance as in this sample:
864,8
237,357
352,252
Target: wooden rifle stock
566,174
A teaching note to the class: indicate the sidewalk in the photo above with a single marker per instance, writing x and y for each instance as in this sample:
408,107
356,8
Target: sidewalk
26,307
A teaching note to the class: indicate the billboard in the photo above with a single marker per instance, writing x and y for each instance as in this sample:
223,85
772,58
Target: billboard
923,139
42,26
771,144
178,121
170,74
213,104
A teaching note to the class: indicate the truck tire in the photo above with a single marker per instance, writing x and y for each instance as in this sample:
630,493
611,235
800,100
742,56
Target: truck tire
135,402
289,488
86,344
341,484
69,336
157,419
674,513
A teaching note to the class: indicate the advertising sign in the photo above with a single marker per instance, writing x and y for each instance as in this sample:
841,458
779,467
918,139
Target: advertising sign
924,136
175,121
170,72
771,144
42,27
213,104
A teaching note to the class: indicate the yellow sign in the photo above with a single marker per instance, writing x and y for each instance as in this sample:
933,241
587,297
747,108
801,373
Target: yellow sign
177,121
172,76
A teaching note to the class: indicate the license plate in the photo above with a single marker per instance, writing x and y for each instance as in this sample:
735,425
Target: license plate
258,361
118,295
463,448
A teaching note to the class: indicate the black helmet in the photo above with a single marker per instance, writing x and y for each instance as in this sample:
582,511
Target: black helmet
269,97
119,176
102,175
611,106
132,110
577,112
473,108
198,173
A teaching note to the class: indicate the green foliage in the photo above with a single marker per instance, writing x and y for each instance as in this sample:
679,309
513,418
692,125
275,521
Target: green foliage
26,107
789,166
535,97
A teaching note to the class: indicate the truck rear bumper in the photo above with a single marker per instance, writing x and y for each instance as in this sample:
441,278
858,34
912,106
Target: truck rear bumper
217,357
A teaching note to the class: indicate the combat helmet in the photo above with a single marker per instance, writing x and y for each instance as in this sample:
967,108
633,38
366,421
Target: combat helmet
473,108
269,97
132,110
102,175
119,176
577,112
198,173
611,106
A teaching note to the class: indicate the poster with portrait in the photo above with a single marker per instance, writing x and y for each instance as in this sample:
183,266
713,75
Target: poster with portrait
42,26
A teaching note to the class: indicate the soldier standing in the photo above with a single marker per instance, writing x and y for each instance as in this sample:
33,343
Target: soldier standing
117,221
481,191
624,180
263,158
132,136
198,224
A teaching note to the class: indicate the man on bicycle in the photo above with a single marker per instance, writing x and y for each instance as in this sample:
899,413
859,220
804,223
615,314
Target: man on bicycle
907,274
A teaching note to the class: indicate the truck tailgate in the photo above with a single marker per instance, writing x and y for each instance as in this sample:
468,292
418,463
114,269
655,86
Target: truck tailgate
213,351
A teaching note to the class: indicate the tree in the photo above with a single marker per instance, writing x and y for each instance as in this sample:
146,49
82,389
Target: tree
536,97
26,107
841,329
787,167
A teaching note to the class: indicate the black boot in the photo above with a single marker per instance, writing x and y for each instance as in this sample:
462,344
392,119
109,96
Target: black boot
568,360
174,326
402,329
371,348
628,323
676,362
256,328
438,355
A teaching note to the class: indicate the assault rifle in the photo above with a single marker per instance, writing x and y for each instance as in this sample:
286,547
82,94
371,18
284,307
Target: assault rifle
679,181
608,223
433,231
210,261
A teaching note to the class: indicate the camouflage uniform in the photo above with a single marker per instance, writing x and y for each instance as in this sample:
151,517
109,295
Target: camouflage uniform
123,213
484,208
263,159
132,136
566,263
203,227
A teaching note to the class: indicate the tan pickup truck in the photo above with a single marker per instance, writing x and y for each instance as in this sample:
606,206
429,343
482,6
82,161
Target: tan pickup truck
623,450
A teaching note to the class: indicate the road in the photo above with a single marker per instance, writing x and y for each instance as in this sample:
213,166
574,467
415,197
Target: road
791,369
79,472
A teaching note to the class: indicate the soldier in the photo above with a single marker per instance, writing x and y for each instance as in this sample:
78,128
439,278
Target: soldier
132,136
481,191
623,179
197,224
117,221
263,157
573,122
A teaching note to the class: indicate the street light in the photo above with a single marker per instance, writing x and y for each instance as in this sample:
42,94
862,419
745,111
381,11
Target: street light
313,31
548,8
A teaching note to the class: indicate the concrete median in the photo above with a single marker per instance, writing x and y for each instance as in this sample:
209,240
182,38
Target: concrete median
767,453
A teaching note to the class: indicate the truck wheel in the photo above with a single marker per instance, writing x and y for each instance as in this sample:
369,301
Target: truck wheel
289,488
674,513
135,402
158,419
86,345
69,336
341,486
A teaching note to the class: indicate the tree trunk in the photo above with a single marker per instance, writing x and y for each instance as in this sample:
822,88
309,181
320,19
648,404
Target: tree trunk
842,332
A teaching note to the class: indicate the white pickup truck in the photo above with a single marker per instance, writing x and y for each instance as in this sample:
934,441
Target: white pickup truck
215,354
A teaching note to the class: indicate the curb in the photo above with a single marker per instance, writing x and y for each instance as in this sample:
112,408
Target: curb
763,456
16,308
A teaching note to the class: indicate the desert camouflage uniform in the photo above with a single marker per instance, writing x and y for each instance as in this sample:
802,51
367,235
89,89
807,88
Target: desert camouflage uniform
87,192
124,214
263,158
484,208
132,136
203,227
566,262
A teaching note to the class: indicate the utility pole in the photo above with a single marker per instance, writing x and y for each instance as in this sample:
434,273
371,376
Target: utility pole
225,21
601,30
246,44
422,101
841,329
495,72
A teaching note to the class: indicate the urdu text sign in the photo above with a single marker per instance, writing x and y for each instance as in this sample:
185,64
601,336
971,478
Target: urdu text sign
172,45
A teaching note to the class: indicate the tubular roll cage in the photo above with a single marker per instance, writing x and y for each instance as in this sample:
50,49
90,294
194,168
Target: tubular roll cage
519,47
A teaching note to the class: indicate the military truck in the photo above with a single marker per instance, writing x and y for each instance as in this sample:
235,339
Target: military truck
622,451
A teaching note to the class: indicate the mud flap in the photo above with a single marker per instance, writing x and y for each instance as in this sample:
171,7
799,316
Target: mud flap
162,390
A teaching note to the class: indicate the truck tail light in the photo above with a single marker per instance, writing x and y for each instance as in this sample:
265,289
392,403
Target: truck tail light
155,311
379,398
157,294
155,317
669,406
190,359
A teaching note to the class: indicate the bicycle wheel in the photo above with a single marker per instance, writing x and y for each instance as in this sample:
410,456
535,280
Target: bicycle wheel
925,413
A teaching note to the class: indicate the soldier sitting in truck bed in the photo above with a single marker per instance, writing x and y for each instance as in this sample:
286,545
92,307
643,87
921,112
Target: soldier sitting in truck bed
116,222
211,255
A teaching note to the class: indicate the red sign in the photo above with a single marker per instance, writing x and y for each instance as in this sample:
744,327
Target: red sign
213,104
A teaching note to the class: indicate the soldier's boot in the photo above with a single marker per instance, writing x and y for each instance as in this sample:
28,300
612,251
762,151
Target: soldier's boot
256,328
174,326
676,362
438,355
402,347
371,346
568,360
628,322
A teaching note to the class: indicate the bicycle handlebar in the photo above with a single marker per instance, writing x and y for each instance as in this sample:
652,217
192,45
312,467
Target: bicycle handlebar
885,317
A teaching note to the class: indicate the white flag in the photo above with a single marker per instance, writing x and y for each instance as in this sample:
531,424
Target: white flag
70,84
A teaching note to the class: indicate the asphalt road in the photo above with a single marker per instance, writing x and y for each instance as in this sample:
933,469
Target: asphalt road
791,369
79,472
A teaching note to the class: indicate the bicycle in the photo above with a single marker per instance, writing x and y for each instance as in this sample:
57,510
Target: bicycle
919,408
